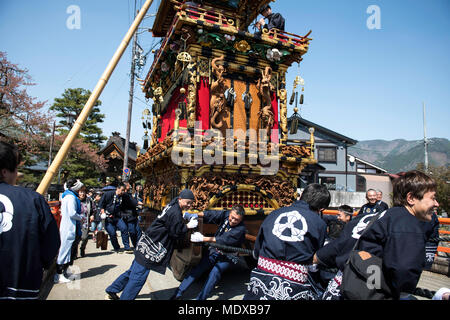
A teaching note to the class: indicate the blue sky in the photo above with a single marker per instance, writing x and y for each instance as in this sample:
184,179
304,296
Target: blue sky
365,84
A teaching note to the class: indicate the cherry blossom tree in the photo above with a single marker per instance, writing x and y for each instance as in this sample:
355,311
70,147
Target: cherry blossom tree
23,119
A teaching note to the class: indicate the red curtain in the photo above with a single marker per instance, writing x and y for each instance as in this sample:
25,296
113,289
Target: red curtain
274,134
203,103
168,118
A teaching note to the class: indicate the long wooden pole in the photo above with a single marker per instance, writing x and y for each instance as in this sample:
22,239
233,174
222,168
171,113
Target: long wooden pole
74,132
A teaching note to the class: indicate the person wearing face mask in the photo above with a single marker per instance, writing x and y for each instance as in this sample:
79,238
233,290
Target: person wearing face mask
155,247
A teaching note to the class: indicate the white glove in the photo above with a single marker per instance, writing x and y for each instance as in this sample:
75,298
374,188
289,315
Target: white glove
313,268
196,237
193,223
103,216
439,295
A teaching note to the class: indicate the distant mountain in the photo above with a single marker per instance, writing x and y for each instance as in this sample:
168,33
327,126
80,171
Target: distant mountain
401,155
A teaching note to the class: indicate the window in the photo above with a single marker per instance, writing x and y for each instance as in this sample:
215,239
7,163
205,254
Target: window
360,184
327,154
329,182
363,168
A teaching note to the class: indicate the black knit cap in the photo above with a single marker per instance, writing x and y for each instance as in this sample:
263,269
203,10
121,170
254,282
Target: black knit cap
187,194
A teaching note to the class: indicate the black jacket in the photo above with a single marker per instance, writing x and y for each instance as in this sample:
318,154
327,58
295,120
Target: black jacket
117,205
29,243
382,205
128,207
399,239
371,208
334,226
111,202
226,235
336,253
275,20
292,234
165,230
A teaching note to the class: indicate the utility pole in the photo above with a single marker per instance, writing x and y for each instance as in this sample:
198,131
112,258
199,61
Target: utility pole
425,140
130,103
50,154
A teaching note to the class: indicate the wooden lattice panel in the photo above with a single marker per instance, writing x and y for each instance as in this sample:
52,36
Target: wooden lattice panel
247,199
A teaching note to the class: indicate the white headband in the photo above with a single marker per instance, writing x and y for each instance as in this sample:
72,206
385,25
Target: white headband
77,186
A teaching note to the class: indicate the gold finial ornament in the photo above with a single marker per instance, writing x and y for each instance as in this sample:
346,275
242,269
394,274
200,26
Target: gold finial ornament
158,91
242,46
184,57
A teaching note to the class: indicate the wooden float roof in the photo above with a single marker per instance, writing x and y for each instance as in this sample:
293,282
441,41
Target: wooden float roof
244,10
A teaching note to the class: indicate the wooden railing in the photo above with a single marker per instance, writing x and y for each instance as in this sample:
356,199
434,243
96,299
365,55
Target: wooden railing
286,37
210,16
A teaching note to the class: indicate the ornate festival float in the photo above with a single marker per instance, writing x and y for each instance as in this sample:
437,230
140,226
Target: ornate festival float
219,115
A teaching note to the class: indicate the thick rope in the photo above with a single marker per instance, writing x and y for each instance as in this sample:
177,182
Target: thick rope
424,293
230,249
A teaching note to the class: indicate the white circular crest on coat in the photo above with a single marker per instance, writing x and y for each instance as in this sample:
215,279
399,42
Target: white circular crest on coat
7,215
295,233
361,225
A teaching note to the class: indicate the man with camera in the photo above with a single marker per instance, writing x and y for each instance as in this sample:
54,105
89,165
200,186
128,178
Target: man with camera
115,208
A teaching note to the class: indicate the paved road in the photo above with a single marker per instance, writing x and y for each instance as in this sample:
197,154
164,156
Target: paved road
98,269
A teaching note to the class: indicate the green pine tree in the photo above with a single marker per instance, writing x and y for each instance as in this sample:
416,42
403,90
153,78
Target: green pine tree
69,107
83,161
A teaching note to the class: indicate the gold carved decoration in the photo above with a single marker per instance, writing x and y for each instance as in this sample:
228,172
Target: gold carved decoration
207,185
283,113
184,57
242,46
265,87
218,88
192,94
203,67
